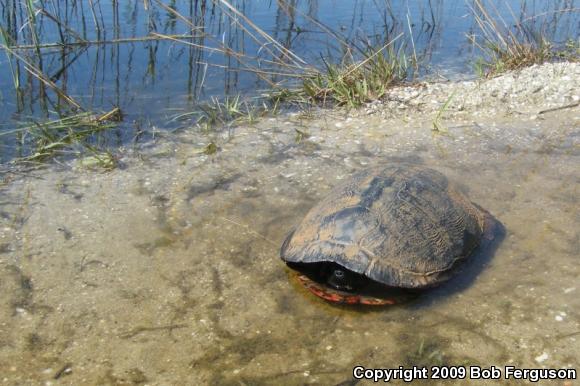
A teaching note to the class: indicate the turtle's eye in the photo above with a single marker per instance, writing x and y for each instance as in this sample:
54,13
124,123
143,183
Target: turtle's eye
339,279
339,274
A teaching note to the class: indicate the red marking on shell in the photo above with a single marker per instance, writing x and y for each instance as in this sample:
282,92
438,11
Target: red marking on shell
340,297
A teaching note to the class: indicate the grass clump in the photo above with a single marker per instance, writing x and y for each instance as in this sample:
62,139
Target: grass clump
354,83
507,46
500,58
429,352
98,160
570,51
350,83
70,135
438,126
223,112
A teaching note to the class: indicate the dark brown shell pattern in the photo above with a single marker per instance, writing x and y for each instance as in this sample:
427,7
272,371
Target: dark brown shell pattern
400,225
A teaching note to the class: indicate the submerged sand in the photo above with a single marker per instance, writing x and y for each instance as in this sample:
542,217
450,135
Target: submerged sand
166,270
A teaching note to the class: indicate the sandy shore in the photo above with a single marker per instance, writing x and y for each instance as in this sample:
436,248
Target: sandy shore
166,270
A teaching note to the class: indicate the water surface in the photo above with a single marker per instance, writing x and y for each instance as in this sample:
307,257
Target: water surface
153,80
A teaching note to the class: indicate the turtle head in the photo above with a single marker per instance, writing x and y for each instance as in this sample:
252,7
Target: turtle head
332,275
337,277
337,284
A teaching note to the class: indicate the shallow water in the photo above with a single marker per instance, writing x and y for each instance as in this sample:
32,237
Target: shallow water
167,271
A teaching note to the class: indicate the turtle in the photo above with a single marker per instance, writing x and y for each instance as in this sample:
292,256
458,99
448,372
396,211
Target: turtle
385,233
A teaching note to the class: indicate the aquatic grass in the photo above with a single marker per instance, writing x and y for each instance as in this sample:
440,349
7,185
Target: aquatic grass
509,46
351,84
30,9
219,112
285,53
274,99
429,352
13,67
281,59
515,56
570,51
95,18
354,83
44,79
438,127
233,110
211,148
71,134
300,135
98,159
225,112
83,43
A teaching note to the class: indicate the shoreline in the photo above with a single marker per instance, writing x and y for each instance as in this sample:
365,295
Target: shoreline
530,91
527,94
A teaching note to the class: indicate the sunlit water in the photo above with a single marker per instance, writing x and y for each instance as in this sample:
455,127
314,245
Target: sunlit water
167,271
154,80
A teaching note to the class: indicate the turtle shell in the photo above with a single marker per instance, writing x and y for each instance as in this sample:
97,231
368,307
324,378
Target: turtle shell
400,225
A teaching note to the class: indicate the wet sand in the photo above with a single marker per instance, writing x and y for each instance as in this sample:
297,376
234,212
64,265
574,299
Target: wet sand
166,270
